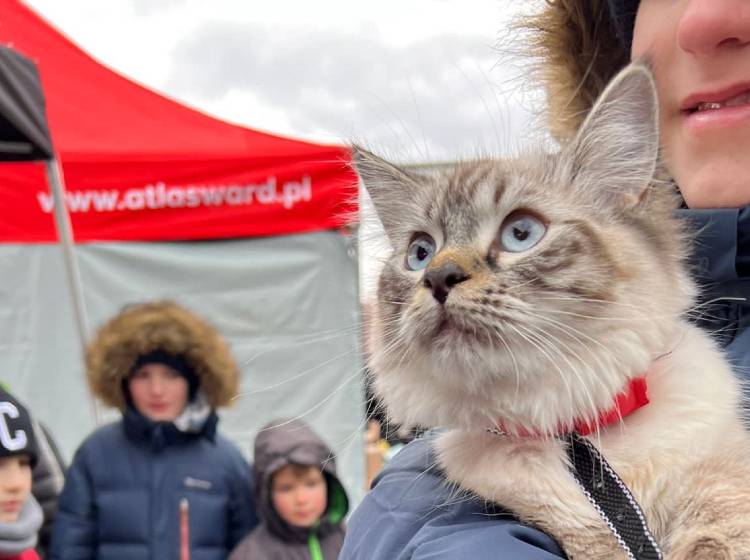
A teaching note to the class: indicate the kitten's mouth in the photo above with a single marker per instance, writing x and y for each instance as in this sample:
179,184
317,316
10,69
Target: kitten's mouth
449,329
447,326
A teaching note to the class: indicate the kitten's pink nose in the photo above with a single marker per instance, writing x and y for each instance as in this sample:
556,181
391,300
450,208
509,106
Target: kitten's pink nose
440,280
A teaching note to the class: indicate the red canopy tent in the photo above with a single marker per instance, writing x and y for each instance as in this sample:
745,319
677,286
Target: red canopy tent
148,182
139,166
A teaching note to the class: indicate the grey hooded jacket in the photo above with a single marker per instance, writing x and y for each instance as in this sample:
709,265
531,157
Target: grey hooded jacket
278,444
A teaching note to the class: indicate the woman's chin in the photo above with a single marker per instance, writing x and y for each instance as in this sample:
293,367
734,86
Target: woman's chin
716,182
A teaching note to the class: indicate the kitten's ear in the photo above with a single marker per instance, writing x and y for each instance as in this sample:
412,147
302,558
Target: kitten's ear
393,191
615,151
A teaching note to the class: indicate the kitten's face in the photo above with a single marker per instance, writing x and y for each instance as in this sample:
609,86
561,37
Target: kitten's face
527,292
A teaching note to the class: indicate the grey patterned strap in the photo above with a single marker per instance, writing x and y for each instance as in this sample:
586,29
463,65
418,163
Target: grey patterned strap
612,499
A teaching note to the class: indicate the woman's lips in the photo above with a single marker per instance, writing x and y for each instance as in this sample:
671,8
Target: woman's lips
718,96
725,108
721,118
736,101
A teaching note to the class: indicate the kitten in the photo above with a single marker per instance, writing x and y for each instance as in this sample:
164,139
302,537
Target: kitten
524,296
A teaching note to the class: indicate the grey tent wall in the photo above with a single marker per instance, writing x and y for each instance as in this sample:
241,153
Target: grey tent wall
289,307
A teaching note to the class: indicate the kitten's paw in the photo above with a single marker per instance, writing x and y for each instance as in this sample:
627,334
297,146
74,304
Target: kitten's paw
705,548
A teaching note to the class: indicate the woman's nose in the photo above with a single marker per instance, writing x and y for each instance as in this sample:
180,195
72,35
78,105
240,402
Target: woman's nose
707,25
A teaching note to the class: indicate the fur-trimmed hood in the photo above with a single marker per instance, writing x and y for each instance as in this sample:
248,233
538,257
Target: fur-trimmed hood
577,52
165,326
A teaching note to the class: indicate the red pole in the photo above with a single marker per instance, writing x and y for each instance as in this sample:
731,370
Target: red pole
184,529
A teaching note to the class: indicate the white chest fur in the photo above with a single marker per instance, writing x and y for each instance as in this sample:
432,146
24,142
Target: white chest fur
692,420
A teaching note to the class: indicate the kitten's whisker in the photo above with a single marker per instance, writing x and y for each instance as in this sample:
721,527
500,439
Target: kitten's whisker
605,318
540,335
601,362
484,103
495,333
701,310
333,393
296,376
516,369
306,339
543,297
644,313
359,431
393,302
573,331
550,359
558,325
514,287
595,376
387,122
526,307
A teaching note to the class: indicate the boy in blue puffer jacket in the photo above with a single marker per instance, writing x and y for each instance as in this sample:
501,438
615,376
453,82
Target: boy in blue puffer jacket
167,371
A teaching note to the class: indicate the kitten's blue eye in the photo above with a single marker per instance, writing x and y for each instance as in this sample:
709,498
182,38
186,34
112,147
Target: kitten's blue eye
520,232
420,253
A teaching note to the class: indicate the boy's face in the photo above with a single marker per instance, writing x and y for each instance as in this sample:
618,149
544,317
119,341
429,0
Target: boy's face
15,486
299,494
159,392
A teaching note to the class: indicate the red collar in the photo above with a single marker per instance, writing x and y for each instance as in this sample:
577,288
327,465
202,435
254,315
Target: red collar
633,397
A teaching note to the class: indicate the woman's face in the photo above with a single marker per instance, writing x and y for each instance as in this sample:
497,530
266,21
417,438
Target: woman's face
700,52
158,392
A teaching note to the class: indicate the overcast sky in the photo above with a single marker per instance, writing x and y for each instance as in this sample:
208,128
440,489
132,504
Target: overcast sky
418,80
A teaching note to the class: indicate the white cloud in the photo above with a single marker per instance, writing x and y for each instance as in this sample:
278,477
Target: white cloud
435,97
417,79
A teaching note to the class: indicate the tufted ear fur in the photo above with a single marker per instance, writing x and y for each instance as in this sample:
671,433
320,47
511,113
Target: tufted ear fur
616,149
395,193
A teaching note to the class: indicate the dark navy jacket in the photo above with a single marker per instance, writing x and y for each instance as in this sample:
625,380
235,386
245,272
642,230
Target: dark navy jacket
122,494
411,514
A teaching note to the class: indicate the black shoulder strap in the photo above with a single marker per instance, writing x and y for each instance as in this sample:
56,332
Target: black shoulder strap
612,499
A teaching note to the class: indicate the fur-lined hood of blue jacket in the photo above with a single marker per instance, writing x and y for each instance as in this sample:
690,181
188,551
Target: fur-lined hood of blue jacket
142,488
